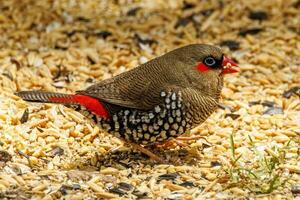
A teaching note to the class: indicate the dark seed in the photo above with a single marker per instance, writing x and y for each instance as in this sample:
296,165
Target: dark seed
183,152
225,106
62,75
91,60
253,103
8,75
294,29
251,31
183,21
294,90
18,170
83,19
232,115
207,12
139,193
103,34
201,188
117,191
69,77
287,94
205,145
125,186
187,5
268,103
71,33
139,39
25,116
60,47
258,15
63,189
171,176
45,160
215,163
76,186
23,154
187,184
231,44
297,91
5,156
39,129
89,80
295,189
273,111
133,11
58,73
57,151
16,62
180,35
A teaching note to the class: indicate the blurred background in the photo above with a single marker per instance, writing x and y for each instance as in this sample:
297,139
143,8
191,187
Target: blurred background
87,35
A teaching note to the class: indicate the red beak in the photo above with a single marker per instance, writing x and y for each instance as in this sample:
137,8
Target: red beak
229,66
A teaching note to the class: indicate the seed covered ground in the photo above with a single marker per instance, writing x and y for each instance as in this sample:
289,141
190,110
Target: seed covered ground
249,148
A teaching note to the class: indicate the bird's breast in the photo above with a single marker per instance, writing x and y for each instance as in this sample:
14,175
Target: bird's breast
167,120
199,107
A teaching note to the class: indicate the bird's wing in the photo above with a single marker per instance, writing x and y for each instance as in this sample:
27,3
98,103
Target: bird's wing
131,89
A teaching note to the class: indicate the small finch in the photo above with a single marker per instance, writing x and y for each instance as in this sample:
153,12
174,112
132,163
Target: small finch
156,101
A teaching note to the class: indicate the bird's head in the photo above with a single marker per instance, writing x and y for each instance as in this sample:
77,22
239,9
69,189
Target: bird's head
206,58
203,66
212,58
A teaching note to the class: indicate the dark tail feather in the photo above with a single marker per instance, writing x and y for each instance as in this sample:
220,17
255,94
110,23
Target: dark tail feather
88,102
46,97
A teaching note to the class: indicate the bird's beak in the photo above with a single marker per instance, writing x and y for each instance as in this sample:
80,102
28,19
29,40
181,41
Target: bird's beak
229,66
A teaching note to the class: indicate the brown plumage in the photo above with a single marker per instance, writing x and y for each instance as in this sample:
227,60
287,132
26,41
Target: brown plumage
140,88
156,101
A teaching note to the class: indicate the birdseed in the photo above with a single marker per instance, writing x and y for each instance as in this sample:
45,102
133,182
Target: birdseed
249,148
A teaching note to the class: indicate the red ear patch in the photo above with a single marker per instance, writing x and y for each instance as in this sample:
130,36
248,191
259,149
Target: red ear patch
202,67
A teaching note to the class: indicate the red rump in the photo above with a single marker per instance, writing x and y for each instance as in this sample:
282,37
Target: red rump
90,103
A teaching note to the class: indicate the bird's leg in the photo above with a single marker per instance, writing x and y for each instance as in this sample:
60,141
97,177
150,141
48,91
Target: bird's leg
171,143
148,153
179,141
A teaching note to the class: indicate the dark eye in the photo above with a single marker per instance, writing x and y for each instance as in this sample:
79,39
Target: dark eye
210,61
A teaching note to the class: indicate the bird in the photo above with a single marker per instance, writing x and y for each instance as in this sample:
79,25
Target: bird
154,102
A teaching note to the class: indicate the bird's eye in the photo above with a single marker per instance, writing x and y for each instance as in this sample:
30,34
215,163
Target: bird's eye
209,61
